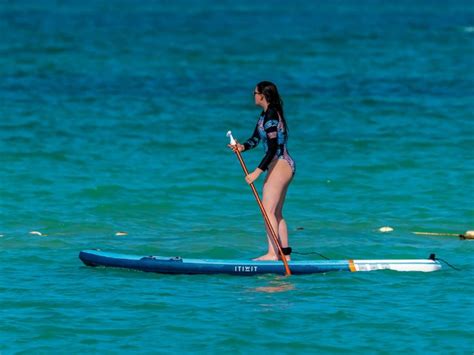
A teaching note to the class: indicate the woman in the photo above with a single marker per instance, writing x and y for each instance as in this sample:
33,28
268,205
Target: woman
272,131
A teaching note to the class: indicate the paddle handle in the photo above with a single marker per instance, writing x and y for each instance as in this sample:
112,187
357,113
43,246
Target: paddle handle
264,213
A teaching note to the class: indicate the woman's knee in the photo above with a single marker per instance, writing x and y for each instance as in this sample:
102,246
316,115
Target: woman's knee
270,207
274,208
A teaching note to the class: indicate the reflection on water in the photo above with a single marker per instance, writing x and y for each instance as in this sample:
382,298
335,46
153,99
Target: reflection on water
280,284
272,289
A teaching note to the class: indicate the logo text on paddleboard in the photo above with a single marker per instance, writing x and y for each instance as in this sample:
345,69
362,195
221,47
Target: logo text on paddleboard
242,268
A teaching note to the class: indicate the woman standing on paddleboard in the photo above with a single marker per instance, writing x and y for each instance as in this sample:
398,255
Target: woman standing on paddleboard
272,131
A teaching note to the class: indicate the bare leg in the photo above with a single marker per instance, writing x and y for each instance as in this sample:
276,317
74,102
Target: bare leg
282,227
274,192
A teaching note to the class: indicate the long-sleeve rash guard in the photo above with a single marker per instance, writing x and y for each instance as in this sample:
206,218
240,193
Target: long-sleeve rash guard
271,131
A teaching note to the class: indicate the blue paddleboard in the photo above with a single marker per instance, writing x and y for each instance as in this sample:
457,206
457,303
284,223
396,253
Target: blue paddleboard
178,265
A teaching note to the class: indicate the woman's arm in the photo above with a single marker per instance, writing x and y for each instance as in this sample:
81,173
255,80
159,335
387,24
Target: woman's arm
253,141
270,124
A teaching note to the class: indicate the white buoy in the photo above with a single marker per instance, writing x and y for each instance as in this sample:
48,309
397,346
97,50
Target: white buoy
469,235
36,233
120,234
385,229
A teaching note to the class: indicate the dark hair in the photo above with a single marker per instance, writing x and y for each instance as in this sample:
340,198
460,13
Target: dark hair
270,92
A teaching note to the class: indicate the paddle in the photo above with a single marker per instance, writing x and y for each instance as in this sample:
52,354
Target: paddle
260,204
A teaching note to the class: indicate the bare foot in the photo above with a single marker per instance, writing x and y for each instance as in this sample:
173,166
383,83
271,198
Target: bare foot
266,257
271,257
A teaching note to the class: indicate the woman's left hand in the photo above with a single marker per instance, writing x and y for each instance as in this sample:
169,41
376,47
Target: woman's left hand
250,178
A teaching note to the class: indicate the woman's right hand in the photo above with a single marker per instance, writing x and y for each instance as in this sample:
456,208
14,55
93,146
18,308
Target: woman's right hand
237,146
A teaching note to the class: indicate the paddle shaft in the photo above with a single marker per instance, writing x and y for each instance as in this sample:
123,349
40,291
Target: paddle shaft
265,216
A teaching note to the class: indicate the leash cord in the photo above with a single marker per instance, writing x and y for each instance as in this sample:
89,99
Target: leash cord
445,262
311,253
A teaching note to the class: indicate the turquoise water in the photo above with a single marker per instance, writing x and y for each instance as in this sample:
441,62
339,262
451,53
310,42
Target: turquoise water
113,118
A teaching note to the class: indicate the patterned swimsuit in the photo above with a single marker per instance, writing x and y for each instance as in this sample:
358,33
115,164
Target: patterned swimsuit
271,131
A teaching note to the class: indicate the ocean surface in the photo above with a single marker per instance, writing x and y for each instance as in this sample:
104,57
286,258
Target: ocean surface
113,116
